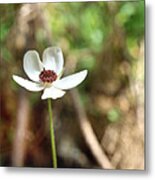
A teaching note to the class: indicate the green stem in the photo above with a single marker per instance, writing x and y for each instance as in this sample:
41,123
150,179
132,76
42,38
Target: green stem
53,148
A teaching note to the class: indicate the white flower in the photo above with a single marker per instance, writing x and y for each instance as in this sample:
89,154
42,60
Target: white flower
46,75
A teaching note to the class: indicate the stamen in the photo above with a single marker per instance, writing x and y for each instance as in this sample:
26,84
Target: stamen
47,76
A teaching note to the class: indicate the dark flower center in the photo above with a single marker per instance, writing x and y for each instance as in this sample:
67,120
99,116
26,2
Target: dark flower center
47,76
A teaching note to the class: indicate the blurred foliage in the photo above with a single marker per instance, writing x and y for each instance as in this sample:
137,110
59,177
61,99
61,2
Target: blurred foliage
113,115
90,34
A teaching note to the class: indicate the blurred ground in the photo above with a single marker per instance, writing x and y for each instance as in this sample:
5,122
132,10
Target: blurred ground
107,38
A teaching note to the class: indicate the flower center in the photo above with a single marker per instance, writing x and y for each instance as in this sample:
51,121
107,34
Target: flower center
47,76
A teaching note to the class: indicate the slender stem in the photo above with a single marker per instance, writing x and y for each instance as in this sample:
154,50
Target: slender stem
53,147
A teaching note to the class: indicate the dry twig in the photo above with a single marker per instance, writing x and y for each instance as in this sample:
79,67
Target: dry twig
89,134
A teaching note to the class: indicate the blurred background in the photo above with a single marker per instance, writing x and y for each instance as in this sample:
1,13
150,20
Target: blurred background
100,124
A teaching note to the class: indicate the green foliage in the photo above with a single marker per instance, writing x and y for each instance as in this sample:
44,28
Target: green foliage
135,24
126,11
6,54
84,29
6,19
114,115
87,63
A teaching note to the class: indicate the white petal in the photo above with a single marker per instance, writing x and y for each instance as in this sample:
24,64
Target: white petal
53,93
32,65
53,59
29,85
71,81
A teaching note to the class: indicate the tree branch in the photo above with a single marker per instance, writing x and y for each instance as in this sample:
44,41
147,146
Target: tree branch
89,134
